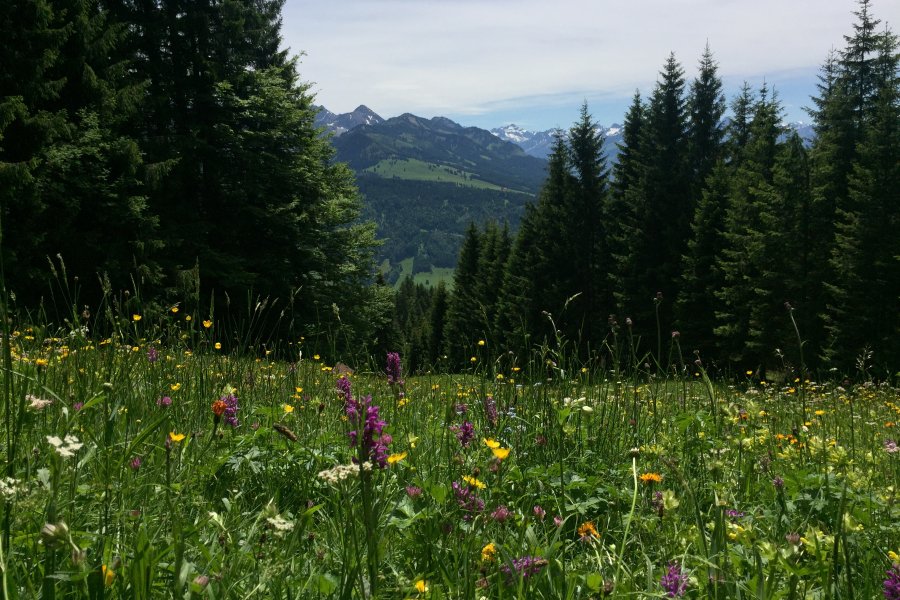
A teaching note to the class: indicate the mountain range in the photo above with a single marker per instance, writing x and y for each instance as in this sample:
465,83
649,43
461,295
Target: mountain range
425,180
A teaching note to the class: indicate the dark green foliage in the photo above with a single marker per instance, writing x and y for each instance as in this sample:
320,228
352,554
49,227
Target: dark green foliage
70,179
862,313
464,325
662,205
706,107
742,258
560,264
428,220
440,300
696,305
413,306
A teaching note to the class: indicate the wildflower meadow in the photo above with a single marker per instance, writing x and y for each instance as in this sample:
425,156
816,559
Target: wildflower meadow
152,463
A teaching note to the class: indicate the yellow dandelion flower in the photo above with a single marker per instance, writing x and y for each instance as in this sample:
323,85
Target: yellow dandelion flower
299,390
395,458
820,412
421,586
500,453
288,409
41,362
488,552
474,482
587,531
176,437
650,478
491,443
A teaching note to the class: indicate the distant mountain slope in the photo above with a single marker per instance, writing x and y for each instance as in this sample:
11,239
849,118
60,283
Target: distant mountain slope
540,143
424,180
342,123
477,153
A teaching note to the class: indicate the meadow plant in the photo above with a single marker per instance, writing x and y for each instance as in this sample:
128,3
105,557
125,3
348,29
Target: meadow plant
586,481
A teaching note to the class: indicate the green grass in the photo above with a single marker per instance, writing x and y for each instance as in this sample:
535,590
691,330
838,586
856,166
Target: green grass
428,278
436,275
753,489
422,171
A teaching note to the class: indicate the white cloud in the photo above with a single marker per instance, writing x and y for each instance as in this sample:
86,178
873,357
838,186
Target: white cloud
473,56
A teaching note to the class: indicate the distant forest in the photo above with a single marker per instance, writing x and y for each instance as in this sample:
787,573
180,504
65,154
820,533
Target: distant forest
169,149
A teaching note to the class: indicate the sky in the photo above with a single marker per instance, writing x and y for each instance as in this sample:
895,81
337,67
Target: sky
487,63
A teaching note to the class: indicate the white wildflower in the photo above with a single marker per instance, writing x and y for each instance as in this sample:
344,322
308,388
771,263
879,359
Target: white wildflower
9,487
280,524
338,473
37,403
65,447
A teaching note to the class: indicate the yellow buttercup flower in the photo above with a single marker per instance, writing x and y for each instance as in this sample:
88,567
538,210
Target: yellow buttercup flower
176,437
474,482
217,346
421,586
488,552
395,458
491,443
135,318
288,409
500,453
108,576
175,387
207,323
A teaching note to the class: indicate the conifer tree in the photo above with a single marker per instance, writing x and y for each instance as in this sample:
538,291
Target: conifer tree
621,213
706,107
463,325
437,323
862,313
663,208
701,276
741,260
71,177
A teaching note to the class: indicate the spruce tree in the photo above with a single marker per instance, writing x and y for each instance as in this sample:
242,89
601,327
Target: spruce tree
741,260
706,107
463,326
862,314
701,276
663,206
71,176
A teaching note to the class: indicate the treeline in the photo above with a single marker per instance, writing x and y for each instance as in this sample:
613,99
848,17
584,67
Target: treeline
717,239
168,147
427,220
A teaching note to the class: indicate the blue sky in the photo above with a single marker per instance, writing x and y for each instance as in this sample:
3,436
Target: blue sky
532,62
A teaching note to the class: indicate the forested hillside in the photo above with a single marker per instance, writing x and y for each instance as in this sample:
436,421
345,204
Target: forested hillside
424,180
723,242
168,149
